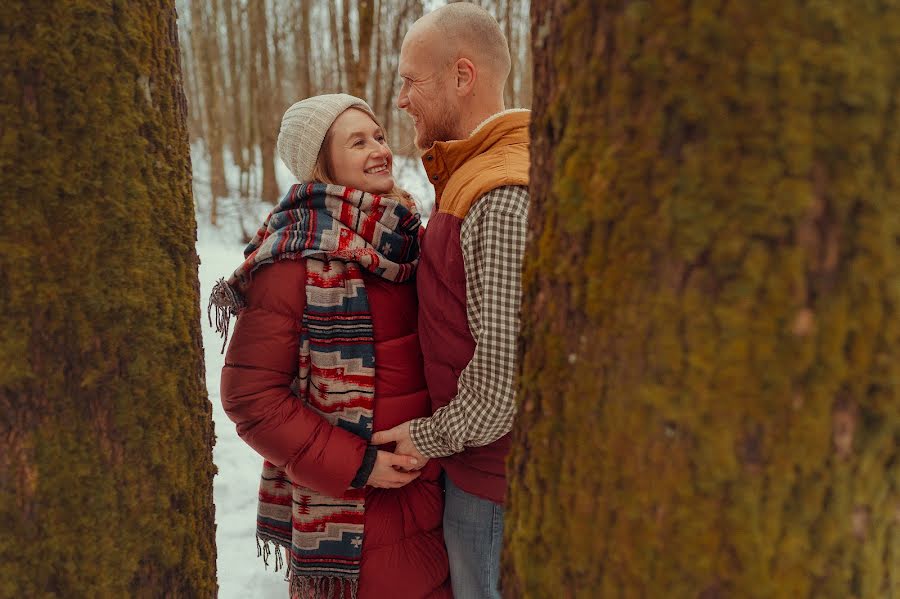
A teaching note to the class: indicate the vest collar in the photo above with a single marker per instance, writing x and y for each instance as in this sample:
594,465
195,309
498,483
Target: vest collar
502,129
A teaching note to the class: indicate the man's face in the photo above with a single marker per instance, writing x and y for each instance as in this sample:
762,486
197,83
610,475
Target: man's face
427,93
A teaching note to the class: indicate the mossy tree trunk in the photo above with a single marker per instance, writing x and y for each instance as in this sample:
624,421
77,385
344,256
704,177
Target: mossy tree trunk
106,467
709,397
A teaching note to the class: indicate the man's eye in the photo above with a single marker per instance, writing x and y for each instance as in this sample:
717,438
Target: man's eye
358,142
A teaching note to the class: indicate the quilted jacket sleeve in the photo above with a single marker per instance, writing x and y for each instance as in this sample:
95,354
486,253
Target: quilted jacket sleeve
260,365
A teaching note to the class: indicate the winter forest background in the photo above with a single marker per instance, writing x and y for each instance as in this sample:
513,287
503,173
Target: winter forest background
244,62
708,386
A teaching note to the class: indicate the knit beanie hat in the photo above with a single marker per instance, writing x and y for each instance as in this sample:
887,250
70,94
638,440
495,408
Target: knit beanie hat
303,129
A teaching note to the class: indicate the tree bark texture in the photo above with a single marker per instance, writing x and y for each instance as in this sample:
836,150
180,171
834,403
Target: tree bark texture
106,464
709,400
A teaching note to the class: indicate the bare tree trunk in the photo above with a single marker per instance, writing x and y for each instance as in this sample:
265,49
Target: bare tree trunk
206,42
303,50
191,86
527,72
264,109
252,122
399,129
366,16
509,93
336,37
106,463
379,81
218,182
710,345
278,36
396,39
233,27
350,60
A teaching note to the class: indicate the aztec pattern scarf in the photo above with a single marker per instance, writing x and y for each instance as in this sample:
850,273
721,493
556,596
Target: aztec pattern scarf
339,232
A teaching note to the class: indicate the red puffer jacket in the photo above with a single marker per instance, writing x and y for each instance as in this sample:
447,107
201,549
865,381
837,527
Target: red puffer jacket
403,553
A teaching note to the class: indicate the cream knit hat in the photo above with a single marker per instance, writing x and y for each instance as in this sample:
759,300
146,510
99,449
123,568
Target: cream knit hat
303,129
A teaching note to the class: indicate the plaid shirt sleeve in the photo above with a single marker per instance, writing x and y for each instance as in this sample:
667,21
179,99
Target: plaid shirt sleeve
493,244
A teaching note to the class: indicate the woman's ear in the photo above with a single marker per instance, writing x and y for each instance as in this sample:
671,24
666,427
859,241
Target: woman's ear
466,74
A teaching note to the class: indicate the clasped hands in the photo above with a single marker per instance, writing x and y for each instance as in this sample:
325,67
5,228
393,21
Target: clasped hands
394,470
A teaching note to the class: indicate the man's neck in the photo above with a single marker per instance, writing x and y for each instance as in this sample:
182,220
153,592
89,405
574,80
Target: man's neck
479,115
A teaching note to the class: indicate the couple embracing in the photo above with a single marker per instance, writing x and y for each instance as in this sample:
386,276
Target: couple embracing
372,363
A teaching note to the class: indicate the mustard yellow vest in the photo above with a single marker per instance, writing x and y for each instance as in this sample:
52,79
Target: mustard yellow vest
495,155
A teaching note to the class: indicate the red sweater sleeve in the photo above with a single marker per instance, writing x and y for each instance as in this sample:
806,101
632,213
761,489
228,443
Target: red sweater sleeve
260,365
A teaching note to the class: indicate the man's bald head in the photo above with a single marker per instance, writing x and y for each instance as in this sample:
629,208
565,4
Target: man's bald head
454,63
466,30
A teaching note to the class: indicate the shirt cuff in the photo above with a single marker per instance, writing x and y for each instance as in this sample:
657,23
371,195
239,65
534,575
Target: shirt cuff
365,470
421,432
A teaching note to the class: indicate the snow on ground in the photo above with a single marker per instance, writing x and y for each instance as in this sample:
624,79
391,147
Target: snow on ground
241,574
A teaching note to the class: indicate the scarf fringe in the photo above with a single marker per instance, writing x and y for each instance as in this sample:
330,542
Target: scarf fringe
323,587
264,548
227,302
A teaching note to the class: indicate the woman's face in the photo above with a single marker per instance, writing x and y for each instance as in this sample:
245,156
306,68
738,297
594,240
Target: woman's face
360,156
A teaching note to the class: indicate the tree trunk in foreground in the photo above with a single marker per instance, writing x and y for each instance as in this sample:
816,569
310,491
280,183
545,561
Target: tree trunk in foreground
710,360
106,466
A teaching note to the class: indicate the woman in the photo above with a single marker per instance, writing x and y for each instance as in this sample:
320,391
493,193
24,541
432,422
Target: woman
325,351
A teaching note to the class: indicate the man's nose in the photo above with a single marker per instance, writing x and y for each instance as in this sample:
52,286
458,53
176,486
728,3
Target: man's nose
402,99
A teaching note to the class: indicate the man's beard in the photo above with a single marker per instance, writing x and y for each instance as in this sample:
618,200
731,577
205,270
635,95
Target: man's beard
444,128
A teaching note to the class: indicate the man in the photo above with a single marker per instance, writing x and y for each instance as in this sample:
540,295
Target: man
454,63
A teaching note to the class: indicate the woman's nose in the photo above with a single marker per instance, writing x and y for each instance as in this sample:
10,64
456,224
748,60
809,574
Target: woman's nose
381,150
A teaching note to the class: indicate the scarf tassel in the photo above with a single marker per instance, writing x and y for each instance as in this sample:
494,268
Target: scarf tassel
264,548
307,587
227,302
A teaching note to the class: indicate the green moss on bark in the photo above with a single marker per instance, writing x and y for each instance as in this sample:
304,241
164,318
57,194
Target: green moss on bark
709,400
106,472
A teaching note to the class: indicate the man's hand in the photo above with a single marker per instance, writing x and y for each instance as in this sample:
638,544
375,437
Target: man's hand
400,435
391,470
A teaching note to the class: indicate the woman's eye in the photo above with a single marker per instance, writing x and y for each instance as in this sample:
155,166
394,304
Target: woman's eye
380,138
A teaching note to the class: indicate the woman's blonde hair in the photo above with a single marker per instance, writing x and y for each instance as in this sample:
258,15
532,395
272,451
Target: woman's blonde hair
324,169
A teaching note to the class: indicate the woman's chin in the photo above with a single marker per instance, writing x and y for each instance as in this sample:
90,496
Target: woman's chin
386,185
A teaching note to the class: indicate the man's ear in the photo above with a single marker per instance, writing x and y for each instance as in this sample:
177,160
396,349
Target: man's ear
466,74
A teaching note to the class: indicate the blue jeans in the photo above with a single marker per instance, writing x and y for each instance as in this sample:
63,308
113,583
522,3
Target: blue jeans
473,533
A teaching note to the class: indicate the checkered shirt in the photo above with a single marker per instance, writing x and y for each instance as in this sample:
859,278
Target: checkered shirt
493,243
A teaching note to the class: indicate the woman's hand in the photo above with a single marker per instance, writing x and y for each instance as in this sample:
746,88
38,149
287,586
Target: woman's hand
405,446
386,473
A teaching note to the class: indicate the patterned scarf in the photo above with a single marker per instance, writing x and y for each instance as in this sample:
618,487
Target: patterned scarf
340,232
